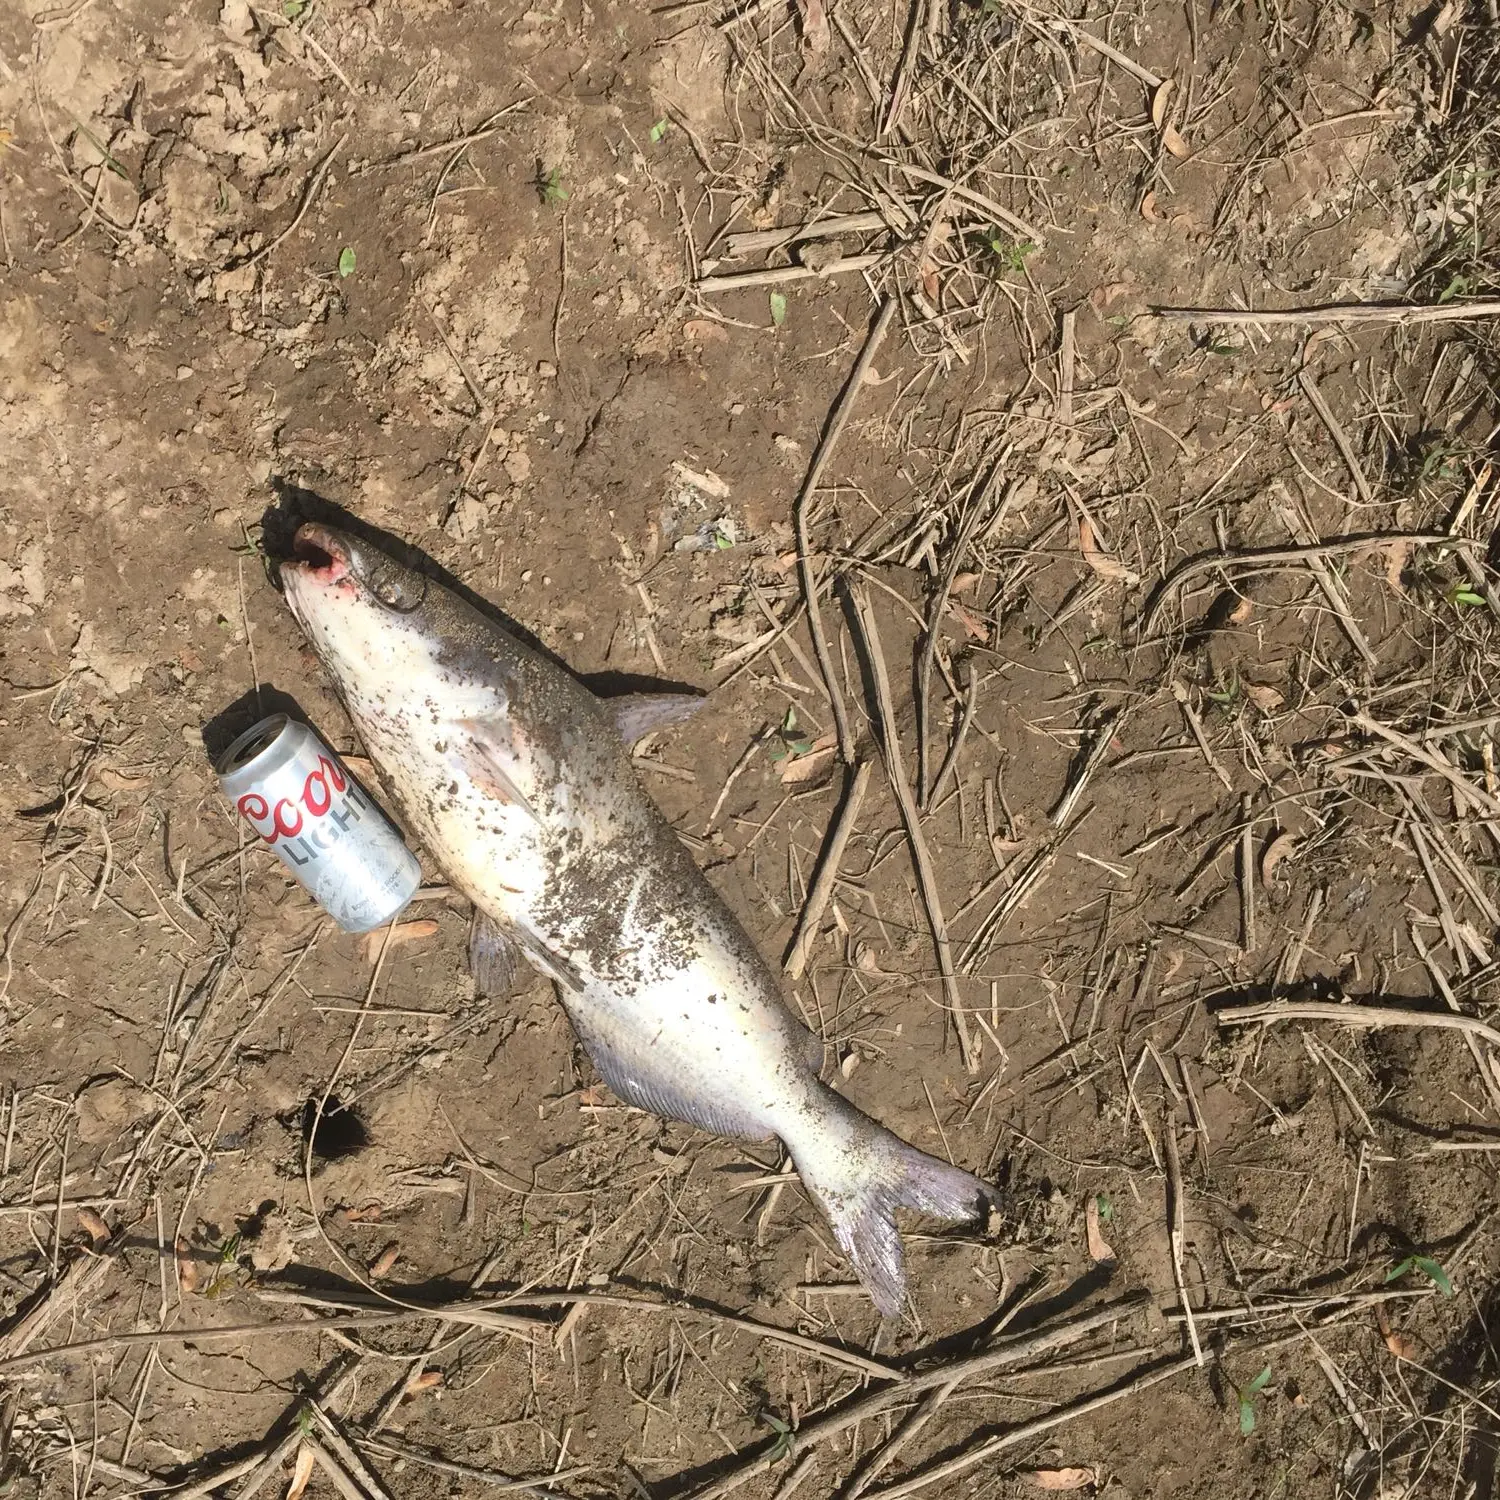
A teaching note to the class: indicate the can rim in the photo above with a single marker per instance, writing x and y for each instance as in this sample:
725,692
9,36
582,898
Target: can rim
253,743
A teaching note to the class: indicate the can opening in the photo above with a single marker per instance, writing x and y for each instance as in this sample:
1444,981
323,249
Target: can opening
253,743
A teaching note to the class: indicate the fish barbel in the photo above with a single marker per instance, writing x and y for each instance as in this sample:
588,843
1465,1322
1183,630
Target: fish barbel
519,784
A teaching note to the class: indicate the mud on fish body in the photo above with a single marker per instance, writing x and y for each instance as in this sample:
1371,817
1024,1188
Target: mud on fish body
518,781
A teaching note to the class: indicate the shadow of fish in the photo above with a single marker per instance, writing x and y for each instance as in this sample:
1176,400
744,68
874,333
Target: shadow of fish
518,782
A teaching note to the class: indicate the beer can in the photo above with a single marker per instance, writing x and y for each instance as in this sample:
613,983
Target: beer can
321,824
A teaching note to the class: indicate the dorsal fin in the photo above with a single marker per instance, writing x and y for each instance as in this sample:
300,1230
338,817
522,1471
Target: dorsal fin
635,715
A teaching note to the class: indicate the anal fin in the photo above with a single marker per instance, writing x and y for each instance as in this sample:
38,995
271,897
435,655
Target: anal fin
650,1082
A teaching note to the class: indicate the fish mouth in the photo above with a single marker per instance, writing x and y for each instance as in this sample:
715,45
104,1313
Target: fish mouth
320,554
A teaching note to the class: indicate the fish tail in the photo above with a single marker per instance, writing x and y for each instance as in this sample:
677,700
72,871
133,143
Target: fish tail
859,1173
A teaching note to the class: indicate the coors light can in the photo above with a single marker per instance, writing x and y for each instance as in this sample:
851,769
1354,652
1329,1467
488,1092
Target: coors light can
292,790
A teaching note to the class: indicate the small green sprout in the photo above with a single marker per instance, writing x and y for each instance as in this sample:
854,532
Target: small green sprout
550,186
778,308
1012,254
1245,1395
791,741
1106,1209
1428,1267
346,262
1229,696
291,9
1458,286
1461,593
1438,460
659,129
225,1263
783,1430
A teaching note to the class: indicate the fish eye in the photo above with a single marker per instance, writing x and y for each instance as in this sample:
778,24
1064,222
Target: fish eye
397,588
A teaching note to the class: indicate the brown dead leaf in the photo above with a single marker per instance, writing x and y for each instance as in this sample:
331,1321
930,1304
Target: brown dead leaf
1061,1479
187,1266
1100,561
963,582
1148,209
117,781
369,1213
405,932
816,759
362,766
1402,1345
874,377
976,628
1160,105
1160,99
428,1380
1277,850
1099,1247
930,283
593,1096
816,36
301,1472
1102,296
1243,609
95,1227
385,1262
1396,557
705,331
1264,696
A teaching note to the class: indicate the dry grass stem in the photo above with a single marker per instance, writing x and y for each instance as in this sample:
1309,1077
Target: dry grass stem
732,281
803,503
309,197
759,241
1360,1017
890,746
1002,1355
1468,794
490,1313
1260,558
827,876
1176,1229
1336,312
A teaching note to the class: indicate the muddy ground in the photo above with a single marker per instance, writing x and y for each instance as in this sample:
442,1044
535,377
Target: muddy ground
440,268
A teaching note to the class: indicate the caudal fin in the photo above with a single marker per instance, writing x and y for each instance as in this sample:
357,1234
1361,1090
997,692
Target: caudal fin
859,1174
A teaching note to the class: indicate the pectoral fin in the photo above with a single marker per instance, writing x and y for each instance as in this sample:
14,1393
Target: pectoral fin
493,958
484,753
637,714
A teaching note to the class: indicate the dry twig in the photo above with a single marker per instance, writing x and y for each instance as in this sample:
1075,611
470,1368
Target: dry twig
828,870
890,746
803,503
1360,1017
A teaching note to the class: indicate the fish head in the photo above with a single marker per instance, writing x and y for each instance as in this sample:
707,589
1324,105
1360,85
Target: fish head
393,639
362,610
430,683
